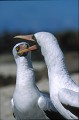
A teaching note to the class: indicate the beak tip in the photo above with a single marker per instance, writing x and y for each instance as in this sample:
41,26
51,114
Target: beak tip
15,37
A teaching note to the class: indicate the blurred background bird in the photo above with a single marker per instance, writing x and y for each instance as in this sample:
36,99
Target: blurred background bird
26,17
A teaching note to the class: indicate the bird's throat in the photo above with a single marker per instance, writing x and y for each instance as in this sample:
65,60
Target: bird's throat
25,75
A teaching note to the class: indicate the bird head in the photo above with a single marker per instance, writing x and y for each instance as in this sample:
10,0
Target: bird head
18,48
45,40
40,38
22,50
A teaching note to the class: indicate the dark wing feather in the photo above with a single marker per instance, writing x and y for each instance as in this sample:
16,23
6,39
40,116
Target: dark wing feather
73,110
46,105
54,115
70,100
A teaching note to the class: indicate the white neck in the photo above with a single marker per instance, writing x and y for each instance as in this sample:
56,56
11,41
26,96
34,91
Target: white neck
50,50
25,74
54,59
57,71
53,56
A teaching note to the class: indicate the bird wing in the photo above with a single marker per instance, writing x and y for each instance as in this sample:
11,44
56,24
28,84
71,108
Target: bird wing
47,107
70,100
61,109
69,97
12,103
45,103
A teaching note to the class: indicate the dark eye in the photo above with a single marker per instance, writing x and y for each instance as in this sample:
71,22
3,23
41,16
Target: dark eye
26,45
33,37
17,48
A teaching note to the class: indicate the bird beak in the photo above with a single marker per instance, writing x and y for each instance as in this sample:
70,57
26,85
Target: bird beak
25,37
34,47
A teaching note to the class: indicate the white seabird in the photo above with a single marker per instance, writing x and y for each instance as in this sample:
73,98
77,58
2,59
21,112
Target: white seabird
64,92
28,102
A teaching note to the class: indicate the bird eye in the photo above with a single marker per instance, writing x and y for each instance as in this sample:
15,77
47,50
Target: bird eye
17,48
33,37
26,45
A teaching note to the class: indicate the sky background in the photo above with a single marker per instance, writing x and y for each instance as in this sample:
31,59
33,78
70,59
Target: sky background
26,16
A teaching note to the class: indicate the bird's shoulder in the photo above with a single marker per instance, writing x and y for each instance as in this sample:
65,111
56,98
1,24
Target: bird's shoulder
12,104
45,103
48,108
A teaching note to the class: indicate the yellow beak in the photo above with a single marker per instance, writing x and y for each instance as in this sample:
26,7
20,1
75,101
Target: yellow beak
34,47
26,37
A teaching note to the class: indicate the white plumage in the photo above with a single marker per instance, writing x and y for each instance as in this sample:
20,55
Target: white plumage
28,102
62,88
